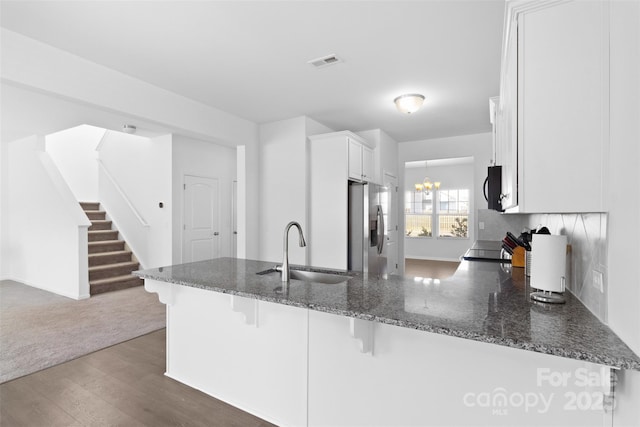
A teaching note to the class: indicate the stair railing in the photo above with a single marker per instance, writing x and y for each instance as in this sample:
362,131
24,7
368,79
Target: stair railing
122,194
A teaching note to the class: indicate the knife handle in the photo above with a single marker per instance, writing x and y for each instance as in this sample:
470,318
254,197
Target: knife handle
507,249
517,240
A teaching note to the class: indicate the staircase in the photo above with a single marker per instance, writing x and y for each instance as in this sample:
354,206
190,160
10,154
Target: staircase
110,261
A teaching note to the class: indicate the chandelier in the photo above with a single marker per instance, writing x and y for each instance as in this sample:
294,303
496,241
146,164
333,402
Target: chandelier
427,185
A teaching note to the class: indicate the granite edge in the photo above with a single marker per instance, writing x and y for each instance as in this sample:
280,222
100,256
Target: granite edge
618,363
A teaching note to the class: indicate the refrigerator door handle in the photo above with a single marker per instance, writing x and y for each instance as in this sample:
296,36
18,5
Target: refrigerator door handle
380,229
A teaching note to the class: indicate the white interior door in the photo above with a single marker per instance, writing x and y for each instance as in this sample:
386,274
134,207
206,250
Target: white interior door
391,221
201,235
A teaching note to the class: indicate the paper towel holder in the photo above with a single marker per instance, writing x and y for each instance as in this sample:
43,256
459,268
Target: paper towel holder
548,268
548,297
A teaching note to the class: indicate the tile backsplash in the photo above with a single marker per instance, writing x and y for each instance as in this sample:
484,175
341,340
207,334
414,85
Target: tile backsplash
587,235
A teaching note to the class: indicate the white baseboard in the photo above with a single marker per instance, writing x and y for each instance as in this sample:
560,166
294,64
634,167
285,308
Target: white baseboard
45,288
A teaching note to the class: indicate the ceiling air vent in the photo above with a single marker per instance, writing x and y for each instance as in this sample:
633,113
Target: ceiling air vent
325,61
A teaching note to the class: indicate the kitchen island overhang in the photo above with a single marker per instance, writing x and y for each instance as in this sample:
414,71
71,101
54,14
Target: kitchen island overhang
481,302
402,351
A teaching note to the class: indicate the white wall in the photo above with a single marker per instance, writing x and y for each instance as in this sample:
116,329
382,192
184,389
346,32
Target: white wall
624,197
28,63
46,242
27,112
477,146
241,200
4,214
252,199
283,185
624,175
203,159
312,127
451,177
74,153
141,169
159,190
36,101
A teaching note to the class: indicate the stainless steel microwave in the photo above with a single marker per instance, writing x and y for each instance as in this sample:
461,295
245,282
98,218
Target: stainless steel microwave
492,188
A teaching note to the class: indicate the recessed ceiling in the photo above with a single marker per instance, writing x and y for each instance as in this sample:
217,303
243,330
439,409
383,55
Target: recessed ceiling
251,58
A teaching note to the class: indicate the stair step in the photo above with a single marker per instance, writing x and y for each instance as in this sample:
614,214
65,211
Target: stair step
95,214
99,224
106,246
90,206
102,258
101,235
114,284
110,265
112,270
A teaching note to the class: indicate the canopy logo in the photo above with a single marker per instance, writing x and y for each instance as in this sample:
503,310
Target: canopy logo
579,390
499,401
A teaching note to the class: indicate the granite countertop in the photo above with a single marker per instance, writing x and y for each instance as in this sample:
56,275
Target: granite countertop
481,301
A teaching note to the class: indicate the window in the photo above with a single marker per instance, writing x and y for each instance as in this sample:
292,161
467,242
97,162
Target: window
418,218
449,219
453,213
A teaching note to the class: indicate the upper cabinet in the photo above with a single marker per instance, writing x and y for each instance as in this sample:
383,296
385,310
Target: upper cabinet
355,150
552,115
360,160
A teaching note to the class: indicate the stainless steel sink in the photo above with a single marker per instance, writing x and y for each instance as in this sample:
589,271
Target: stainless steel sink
316,277
312,276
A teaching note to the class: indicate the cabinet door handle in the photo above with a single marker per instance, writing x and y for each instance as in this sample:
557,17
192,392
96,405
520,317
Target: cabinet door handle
215,233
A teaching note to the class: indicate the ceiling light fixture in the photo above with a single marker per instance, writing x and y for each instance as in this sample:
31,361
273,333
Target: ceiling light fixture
409,103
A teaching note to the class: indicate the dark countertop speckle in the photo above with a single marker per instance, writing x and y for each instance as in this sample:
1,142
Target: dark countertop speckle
481,301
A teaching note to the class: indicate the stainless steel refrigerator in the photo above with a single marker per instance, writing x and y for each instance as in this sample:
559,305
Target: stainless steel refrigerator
367,238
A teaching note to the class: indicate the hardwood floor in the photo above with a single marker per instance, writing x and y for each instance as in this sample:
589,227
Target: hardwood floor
429,268
120,385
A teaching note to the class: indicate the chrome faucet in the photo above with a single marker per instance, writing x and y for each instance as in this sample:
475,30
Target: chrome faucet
285,255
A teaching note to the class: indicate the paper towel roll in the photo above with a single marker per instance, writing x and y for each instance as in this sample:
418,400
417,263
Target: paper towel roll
548,262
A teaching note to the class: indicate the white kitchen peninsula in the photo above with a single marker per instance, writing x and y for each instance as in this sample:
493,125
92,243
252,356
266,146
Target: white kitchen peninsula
472,349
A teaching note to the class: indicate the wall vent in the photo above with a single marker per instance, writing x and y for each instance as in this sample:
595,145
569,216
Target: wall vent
325,61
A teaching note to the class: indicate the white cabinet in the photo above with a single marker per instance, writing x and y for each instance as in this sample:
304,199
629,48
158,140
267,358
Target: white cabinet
552,130
506,121
361,163
368,171
493,111
295,367
355,159
415,378
249,353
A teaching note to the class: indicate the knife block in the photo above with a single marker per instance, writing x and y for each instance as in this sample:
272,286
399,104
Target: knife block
517,259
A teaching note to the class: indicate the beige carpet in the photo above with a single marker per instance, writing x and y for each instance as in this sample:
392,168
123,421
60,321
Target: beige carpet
39,329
